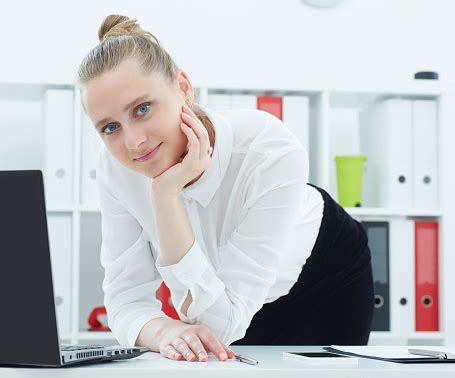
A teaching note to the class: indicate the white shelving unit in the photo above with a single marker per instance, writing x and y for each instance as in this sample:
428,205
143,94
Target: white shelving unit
329,102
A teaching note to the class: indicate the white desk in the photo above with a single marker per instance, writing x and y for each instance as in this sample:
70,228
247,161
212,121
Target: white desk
271,364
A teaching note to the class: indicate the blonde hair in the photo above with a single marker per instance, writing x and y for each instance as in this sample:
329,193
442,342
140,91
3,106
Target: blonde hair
121,38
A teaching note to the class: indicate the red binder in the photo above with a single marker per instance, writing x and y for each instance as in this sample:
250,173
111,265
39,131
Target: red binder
271,104
426,276
163,294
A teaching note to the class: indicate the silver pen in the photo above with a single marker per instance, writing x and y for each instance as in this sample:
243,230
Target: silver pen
246,359
432,353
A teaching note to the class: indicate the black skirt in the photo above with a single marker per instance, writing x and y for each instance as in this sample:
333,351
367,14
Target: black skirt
333,299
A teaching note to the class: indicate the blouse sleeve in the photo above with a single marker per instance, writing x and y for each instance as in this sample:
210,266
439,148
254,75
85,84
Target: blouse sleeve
227,299
130,277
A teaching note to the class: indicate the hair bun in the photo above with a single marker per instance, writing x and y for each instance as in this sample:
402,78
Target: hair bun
117,25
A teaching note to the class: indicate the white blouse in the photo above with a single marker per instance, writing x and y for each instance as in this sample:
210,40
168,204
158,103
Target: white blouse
254,218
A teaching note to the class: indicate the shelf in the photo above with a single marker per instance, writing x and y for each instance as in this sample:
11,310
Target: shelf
427,335
384,335
313,84
334,107
382,211
57,209
27,91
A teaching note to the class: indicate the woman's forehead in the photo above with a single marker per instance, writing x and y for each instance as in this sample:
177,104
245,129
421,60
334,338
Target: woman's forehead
119,87
125,77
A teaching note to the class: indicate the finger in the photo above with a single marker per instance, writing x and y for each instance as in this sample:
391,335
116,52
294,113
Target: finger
212,344
229,351
193,150
199,129
197,126
181,346
195,344
171,352
190,112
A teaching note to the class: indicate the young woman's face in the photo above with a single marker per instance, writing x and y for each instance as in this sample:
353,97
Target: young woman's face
134,113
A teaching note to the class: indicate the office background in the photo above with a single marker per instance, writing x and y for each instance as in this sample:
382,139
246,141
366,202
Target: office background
385,39
339,59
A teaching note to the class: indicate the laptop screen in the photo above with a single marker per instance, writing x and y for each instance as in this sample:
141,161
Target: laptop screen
28,327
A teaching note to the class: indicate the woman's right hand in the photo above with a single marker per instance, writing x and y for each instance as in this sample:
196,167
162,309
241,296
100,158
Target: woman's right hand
192,343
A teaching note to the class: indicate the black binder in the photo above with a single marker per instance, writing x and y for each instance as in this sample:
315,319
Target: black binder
378,241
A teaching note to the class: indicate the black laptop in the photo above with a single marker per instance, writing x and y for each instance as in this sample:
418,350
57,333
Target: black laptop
28,325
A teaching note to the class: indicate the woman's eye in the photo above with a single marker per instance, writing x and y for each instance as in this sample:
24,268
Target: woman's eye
142,109
110,131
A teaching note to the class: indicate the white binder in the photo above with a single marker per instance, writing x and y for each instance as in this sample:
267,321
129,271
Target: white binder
425,154
402,289
385,138
296,116
59,226
243,101
219,101
58,166
91,145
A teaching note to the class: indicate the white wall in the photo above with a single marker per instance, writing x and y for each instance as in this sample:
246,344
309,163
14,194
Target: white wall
388,39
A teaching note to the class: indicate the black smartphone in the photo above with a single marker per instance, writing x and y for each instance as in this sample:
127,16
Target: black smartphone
320,357
317,354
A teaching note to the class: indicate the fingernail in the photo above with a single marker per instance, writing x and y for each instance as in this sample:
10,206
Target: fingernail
223,355
201,355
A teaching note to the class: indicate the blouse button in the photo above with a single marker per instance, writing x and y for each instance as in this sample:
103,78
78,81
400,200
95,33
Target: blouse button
190,200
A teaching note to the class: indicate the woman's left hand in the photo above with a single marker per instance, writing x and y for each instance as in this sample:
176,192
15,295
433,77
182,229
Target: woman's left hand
196,161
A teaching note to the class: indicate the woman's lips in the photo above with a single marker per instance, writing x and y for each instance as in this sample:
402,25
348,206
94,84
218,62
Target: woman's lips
150,155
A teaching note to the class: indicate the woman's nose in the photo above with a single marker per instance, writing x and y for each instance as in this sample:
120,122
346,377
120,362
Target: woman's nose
134,137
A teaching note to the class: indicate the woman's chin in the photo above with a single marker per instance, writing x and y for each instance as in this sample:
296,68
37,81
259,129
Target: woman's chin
153,172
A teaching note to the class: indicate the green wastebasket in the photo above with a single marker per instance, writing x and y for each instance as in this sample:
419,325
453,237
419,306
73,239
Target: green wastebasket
349,170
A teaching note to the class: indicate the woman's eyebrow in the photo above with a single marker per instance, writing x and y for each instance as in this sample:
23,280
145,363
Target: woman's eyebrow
129,105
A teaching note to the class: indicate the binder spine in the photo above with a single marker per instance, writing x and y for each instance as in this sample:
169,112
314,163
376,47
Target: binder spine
425,154
271,104
59,120
296,116
378,241
402,280
426,276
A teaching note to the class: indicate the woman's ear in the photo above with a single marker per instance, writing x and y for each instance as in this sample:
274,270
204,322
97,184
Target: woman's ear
184,85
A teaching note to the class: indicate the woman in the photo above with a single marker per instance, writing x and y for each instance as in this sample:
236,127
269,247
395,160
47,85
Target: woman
218,206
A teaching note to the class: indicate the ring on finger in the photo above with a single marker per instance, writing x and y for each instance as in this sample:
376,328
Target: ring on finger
189,355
